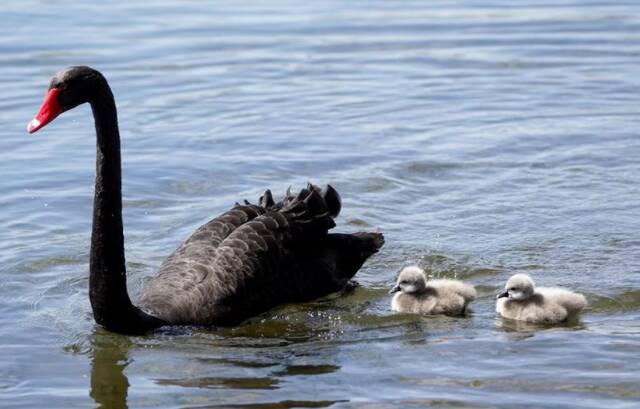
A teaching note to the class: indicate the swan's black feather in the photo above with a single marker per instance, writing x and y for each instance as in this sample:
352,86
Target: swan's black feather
253,258
266,200
333,200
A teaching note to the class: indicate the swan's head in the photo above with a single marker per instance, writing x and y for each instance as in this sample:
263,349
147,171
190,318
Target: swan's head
410,280
518,287
68,89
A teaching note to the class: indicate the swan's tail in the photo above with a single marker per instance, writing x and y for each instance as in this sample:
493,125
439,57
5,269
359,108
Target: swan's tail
352,250
335,261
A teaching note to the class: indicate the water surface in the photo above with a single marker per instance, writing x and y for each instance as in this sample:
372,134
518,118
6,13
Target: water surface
484,138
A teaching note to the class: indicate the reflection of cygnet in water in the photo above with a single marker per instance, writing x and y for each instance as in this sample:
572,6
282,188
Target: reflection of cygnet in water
414,294
520,300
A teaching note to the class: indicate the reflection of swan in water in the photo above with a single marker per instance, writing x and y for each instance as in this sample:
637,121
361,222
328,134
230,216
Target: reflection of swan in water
111,354
527,329
109,384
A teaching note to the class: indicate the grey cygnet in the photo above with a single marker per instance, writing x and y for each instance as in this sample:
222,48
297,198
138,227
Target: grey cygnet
414,294
520,300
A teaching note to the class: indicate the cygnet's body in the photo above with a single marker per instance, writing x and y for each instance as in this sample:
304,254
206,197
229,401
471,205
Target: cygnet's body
522,301
414,294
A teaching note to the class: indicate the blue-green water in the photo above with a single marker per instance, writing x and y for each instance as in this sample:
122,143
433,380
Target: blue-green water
483,138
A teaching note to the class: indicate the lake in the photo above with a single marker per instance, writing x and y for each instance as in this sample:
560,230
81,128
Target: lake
484,138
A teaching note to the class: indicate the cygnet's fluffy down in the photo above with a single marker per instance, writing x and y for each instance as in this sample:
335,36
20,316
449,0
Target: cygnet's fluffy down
520,300
414,294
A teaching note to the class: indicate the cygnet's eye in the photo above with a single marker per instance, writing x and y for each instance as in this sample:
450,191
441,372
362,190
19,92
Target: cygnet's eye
512,289
403,282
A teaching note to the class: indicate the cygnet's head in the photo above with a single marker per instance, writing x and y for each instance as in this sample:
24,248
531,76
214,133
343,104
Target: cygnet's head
410,280
518,287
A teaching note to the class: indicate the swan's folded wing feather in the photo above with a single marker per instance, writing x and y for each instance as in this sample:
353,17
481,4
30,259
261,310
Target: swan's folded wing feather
294,268
252,264
191,264
261,262
243,277
238,264
211,234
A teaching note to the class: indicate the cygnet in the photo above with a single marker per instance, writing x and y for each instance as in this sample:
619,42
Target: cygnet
520,300
414,294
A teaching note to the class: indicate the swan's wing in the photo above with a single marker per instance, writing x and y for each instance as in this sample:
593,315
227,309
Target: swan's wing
448,286
258,265
310,271
270,257
191,262
329,195
209,236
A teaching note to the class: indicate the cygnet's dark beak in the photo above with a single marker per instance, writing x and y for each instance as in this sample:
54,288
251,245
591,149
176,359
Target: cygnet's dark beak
503,294
395,289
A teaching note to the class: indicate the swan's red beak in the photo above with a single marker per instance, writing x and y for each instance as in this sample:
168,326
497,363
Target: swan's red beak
48,111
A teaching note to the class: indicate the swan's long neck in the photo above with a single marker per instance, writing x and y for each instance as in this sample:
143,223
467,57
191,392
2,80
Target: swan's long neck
112,307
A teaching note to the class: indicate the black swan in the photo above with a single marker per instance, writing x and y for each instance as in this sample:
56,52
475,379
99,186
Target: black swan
242,263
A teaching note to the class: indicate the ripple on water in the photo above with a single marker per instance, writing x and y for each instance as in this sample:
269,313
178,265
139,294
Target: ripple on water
222,383
623,301
285,404
482,140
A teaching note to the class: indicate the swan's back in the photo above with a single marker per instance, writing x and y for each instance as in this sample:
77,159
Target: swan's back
450,288
570,301
452,296
255,257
